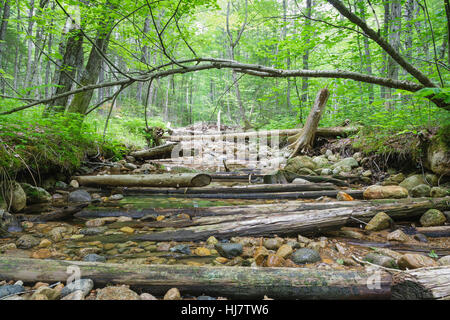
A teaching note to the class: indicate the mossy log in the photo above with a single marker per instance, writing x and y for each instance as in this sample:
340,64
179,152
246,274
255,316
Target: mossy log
236,282
160,152
165,180
423,283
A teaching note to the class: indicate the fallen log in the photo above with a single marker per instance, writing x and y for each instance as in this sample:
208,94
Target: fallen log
60,214
236,282
165,180
283,176
257,188
435,232
423,283
270,221
160,152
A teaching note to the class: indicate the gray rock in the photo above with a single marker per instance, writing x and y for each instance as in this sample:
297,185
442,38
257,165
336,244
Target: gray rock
35,194
9,289
438,192
130,166
92,231
347,162
79,196
273,243
93,257
320,161
326,172
117,293
61,185
147,296
181,248
27,242
444,261
412,181
305,255
381,260
420,237
300,181
18,197
422,190
328,153
229,250
84,285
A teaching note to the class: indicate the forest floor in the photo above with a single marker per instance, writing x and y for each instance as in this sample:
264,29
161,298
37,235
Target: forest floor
225,228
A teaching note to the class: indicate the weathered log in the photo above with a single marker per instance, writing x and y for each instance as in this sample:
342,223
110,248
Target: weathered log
423,283
306,139
257,188
283,176
236,282
321,132
160,152
277,221
55,215
165,180
435,232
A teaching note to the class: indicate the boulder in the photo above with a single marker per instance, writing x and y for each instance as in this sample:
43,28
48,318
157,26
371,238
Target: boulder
385,192
422,190
438,157
305,255
414,261
397,235
438,192
320,161
413,181
35,194
117,293
379,222
433,217
300,162
79,196
16,197
347,162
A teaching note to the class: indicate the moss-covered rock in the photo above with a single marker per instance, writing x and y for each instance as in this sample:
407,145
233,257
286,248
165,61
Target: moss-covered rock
379,222
35,194
300,162
433,217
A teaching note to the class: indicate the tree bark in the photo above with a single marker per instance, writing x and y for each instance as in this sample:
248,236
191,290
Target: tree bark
236,282
306,139
165,180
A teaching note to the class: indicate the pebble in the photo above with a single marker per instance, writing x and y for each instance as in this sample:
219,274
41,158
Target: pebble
9,246
79,196
274,261
116,293
202,252
116,197
284,251
127,230
342,196
181,248
381,260
163,246
172,294
74,184
273,243
420,237
92,231
84,285
45,243
229,250
95,223
124,219
212,240
305,255
147,296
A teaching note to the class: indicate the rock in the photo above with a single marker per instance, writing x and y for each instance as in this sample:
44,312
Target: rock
333,157
41,254
397,235
385,192
326,172
76,295
8,246
394,179
206,298
212,240
305,255
93,257
38,297
422,190
60,185
50,293
127,230
381,260
124,219
35,194
414,261
84,285
130,166
420,237
16,197
202,252
45,243
56,234
306,172
116,293
274,261
27,242
432,217
14,297
79,196
9,289
74,184
438,157
260,254
444,261
92,231
303,239
367,173
437,192
347,162
116,197
320,161
163,246
342,196
229,250
412,181
172,294
181,248
300,181
284,251
147,296
379,222
273,243
95,223
299,162
328,153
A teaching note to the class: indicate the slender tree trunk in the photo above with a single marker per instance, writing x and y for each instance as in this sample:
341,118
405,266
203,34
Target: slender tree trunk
30,44
4,15
447,12
384,90
367,58
305,58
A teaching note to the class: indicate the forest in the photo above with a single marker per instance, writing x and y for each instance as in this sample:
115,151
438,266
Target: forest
224,149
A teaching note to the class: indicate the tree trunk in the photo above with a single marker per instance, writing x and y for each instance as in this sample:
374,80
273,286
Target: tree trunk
236,282
165,180
160,152
305,57
5,13
305,141
394,41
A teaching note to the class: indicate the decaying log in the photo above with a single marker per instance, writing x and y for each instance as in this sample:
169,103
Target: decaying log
165,180
257,188
306,139
236,282
279,220
423,283
160,152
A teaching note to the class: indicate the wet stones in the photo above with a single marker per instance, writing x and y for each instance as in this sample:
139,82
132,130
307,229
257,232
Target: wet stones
229,250
433,217
181,248
92,231
381,260
437,192
379,222
27,242
397,235
117,293
422,190
273,243
385,192
35,194
284,251
305,255
79,196
7,290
